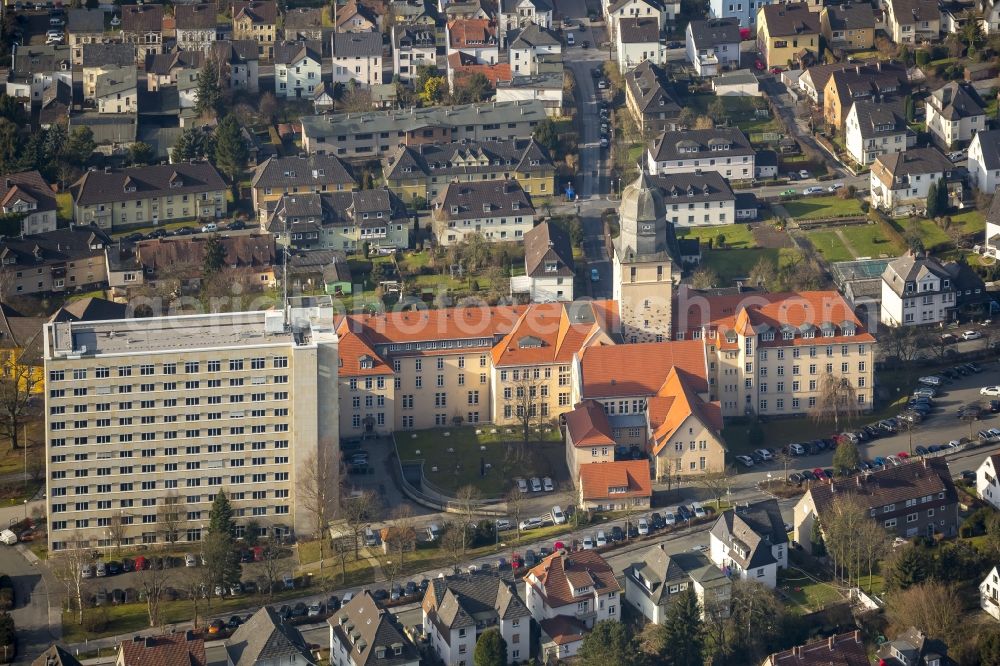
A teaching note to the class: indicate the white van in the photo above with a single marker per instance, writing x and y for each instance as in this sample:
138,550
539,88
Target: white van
433,532
796,449
8,537
370,538
570,41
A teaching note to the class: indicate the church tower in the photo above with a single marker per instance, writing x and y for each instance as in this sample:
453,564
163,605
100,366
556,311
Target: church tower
643,263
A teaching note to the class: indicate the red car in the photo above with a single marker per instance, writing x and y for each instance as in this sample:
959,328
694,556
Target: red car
745,34
516,561
141,563
820,474
776,70
902,455
758,65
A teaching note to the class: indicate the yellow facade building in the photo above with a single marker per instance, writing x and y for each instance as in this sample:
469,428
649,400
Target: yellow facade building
257,21
787,33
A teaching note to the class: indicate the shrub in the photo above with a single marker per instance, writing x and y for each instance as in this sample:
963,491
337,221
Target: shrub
923,57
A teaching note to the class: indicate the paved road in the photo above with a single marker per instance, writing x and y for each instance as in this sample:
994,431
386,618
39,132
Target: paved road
32,595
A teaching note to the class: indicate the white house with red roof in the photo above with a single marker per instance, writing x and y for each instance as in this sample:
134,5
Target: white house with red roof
987,484
685,430
567,594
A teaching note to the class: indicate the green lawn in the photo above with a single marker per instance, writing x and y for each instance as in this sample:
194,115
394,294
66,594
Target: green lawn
971,220
458,455
829,245
731,265
64,207
740,111
869,241
737,235
805,595
815,208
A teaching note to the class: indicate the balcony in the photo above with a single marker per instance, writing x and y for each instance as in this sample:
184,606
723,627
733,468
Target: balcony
584,615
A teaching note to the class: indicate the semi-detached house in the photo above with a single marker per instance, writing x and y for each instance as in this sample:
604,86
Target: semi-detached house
984,161
874,129
727,151
297,69
900,181
658,578
195,24
357,56
497,210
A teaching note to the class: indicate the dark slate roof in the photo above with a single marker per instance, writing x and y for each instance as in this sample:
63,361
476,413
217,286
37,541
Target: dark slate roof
357,44
236,50
332,263
308,18
893,485
108,128
911,268
989,143
29,186
453,601
911,162
195,17
85,20
693,187
409,36
283,172
20,332
142,18
957,100
470,157
618,4
880,118
746,200
715,31
916,647
858,16
90,309
55,655
286,53
729,142
54,246
766,158
638,30
911,11
749,532
163,63
473,199
115,81
40,59
367,631
658,569
790,20
533,35
650,88
108,55
104,187
964,278
257,12
548,242
265,637
336,208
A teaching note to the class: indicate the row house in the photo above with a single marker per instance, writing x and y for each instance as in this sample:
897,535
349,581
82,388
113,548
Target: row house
54,262
497,210
98,59
37,70
178,68
848,26
357,57
85,26
303,24
913,21
257,21
725,150
195,26
413,47
142,26
878,83
316,174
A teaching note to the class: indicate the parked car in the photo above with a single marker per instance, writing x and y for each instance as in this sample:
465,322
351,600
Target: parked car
530,524
812,190
209,228
643,526
835,187
796,478
536,485
588,542
764,454
990,390
930,380
522,485
971,335
796,449
921,450
503,524
698,510
684,513
803,174
746,461
617,534
602,539
558,517
547,485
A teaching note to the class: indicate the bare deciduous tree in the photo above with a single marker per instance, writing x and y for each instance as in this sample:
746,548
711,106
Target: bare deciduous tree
67,566
268,568
318,493
933,608
468,498
836,399
19,382
717,483
515,507
169,514
401,535
521,403
359,512
117,527
453,543
153,581
343,549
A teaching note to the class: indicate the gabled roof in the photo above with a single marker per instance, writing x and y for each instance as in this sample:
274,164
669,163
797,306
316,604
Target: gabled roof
370,634
27,186
791,19
472,33
641,369
658,570
20,332
628,478
468,157
357,44
750,531
544,244
108,55
673,404
915,161
618,4
115,81
316,169
857,16
642,30
957,100
195,16
180,649
533,36
246,251
287,53
989,145
916,648
879,118
712,32
906,12
90,309
235,51
649,86
697,144
56,655
549,333
142,18
474,200
352,349
116,185
840,650
265,637
53,247
84,20
452,602
510,6
303,18
352,9
265,13
697,187
555,577
164,63
587,425
912,267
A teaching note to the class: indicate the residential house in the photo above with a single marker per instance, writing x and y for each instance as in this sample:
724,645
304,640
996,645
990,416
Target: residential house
475,38
548,263
142,26
638,40
519,14
750,541
917,290
22,349
697,199
615,486
813,81
362,633
457,609
356,17
900,181
257,21
267,640
588,437
532,359
297,69
913,648
989,589
277,176
84,26
913,499
567,594
787,33
713,45
745,13
913,21
874,128
461,66
772,332
655,581
972,300
176,649
165,70
765,167
412,47
984,161
377,134
99,58
309,270
724,150
954,114
685,431
117,90
184,259
987,486
990,11
55,655
841,649
849,26
27,193
157,194
738,83
637,9
339,220
37,69
497,210
304,24
323,98
649,98
59,261
423,171
546,87
357,56
532,48
465,9
240,63
195,26
90,308
880,82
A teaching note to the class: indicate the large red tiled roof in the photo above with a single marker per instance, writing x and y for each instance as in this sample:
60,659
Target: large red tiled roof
553,333
444,324
597,478
178,649
641,369
471,33
675,402
351,349
588,425
552,576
